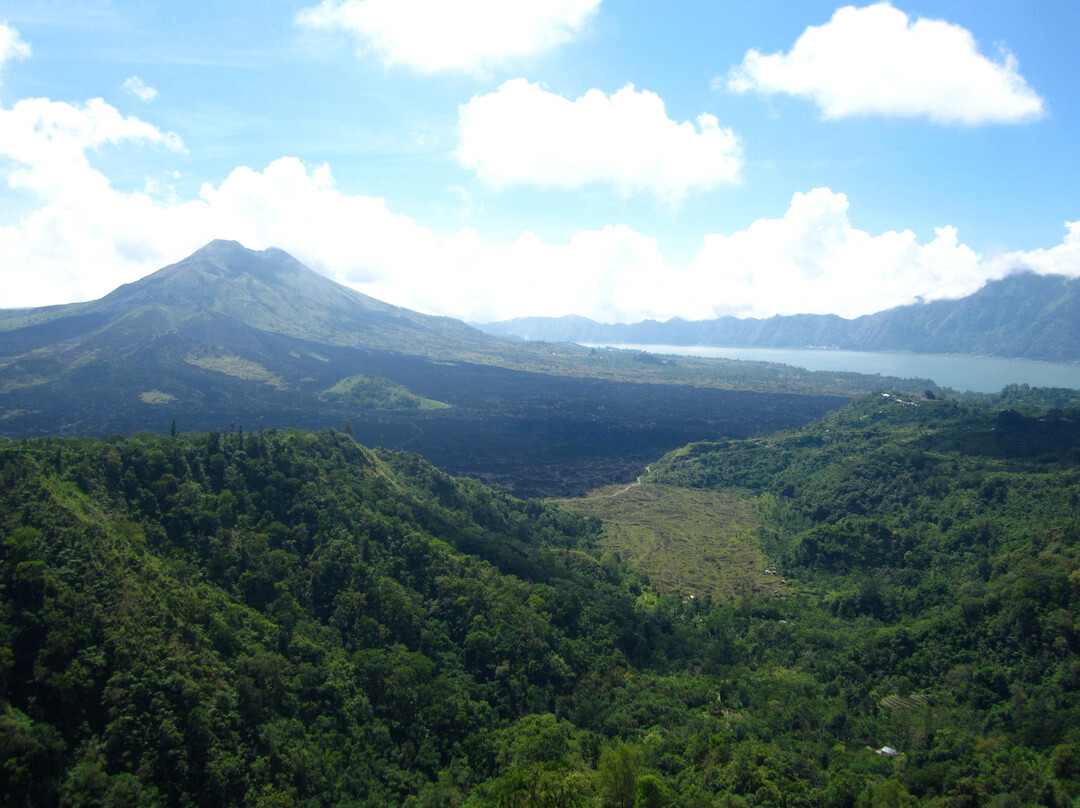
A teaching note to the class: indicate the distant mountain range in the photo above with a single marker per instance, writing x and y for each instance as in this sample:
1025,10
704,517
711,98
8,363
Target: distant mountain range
1023,315
232,338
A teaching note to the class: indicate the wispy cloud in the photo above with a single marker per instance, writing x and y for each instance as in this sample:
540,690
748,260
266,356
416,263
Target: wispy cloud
877,61
11,46
138,88
466,35
522,134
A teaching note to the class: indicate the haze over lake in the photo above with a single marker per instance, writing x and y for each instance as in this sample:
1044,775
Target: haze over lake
979,374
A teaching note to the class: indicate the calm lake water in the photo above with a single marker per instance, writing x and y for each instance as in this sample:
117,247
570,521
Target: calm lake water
980,374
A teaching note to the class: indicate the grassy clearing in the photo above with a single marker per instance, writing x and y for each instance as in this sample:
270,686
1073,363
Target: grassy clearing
156,397
689,541
240,368
376,393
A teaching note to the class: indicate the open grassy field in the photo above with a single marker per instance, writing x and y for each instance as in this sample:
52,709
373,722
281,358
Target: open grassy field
689,541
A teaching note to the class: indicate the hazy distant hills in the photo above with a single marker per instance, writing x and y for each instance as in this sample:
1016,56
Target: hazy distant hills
232,338
1023,315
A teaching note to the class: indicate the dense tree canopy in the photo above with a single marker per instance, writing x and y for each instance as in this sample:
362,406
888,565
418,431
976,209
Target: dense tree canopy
287,618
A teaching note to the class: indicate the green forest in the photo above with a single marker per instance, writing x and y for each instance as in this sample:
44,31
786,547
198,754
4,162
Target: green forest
286,618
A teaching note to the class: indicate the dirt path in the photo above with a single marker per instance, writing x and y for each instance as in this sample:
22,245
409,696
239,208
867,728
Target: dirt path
623,490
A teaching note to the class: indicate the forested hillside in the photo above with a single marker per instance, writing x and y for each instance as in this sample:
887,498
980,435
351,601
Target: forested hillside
286,618
931,553
249,619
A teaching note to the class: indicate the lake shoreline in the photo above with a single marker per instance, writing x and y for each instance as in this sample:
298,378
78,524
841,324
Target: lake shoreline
961,372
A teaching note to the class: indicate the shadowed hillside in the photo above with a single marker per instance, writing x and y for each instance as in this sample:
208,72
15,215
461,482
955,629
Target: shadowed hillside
232,338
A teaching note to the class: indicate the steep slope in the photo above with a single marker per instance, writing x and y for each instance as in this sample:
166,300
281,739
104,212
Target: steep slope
275,617
1024,315
233,337
269,291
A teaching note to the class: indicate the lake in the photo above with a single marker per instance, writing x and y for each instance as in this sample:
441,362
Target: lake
980,374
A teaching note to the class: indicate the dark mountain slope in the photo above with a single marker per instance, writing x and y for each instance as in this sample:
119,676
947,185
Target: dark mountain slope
1023,315
233,337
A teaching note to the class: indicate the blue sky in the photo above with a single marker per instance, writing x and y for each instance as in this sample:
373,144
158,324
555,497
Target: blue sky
488,159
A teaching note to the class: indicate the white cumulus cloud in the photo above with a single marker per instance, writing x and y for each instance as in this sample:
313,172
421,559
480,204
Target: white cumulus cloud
84,237
140,89
597,272
521,134
809,260
48,141
82,242
814,261
467,35
877,61
1063,259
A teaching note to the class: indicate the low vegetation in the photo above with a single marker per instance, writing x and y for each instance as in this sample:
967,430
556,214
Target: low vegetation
376,393
233,365
687,541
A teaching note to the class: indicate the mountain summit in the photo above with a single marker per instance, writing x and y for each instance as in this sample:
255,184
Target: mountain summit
226,328
224,275
231,337
267,290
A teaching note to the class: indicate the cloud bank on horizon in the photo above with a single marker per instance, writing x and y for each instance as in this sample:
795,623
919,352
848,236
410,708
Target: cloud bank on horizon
79,232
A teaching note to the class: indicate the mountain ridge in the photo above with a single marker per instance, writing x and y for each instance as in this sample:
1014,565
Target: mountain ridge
1024,315
269,289
231,336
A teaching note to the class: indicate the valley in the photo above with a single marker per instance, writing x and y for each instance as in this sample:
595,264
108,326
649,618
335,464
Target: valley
204,617
535,434
571,404
266,542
